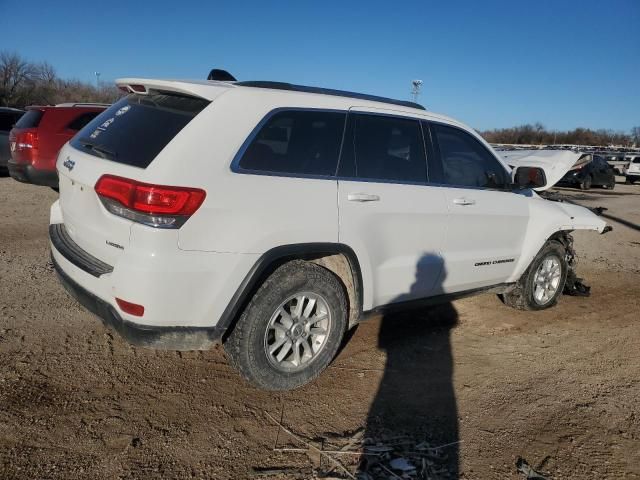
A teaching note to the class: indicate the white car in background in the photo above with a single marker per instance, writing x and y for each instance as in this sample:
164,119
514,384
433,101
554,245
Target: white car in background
273,218
632,170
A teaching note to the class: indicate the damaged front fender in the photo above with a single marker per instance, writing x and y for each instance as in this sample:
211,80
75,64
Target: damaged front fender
549,219
580,218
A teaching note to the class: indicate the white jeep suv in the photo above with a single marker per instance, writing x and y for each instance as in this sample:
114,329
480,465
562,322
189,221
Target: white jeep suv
273,217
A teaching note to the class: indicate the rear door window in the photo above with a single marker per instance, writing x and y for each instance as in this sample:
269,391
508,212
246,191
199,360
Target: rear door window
384,148
134,130
296,142
465,161
31,119
80,121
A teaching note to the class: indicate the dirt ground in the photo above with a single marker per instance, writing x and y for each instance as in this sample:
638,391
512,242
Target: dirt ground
559,388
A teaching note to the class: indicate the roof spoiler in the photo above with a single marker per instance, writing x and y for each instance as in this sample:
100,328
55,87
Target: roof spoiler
221,75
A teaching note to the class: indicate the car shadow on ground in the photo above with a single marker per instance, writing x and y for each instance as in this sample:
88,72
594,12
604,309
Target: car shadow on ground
626,223
416,397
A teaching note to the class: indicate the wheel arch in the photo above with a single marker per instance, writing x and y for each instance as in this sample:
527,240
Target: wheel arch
327,255
532,249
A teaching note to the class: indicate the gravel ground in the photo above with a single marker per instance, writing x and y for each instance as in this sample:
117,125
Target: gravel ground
559,388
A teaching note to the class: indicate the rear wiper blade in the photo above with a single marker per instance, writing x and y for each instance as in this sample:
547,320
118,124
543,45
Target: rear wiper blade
100,150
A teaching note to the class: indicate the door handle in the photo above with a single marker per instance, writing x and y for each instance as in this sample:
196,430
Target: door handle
464,201
362,197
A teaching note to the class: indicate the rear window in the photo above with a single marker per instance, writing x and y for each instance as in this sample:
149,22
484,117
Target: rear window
134,130
31,119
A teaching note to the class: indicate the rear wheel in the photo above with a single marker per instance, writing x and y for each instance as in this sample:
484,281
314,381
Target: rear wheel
586,183
542,283
291,329
629,181
611,184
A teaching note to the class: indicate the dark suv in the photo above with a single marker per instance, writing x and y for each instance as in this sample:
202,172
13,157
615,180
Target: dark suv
8,118
596,172
38,136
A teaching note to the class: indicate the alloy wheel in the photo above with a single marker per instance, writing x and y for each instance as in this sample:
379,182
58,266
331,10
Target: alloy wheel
297,331
546,280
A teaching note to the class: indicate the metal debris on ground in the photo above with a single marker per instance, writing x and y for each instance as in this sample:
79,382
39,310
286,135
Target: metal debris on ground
403,457
385,457
575,287
523,467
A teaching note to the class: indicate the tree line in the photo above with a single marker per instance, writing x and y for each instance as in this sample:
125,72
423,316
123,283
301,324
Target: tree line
24,83
537,134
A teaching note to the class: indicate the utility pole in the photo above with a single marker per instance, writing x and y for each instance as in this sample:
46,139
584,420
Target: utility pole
416,86
97,74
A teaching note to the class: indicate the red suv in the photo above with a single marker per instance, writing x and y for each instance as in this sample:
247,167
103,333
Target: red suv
38,136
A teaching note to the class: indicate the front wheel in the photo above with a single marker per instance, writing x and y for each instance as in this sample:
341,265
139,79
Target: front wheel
542,283
586,183
291,329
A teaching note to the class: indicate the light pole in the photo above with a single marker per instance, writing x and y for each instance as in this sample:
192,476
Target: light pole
416,86
97,74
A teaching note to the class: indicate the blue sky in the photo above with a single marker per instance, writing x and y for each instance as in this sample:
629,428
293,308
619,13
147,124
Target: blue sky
488,63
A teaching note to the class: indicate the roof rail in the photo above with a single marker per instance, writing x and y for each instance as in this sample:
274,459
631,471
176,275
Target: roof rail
82,104
327,91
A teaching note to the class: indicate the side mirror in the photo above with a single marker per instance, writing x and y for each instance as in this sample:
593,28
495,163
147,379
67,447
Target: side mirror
528,177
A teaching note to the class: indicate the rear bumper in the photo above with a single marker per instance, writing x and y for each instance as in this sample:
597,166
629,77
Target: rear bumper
186,294
27,174
165,338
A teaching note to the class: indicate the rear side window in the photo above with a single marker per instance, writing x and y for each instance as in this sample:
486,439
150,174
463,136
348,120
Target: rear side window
465,161
80,121
296,142
31,119
636,160
134,130
384,148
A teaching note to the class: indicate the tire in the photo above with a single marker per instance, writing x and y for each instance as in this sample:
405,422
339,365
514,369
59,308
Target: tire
523,296
629,181
610,185
586,183
262,326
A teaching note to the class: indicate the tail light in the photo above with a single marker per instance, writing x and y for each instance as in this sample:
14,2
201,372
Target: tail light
24,146
153,205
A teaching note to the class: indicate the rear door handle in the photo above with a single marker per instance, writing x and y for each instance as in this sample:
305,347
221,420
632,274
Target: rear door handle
464,201
362,197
